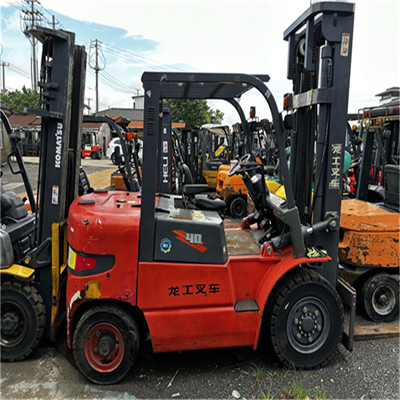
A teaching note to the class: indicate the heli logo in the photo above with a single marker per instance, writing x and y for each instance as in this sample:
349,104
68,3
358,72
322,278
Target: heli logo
192,239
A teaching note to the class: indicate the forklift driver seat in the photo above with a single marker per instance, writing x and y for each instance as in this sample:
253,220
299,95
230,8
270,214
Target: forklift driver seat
192,197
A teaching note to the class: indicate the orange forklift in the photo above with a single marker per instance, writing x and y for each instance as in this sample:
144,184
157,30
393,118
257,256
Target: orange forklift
185,282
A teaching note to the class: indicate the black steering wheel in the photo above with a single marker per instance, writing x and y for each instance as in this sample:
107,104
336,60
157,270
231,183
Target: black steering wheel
239,167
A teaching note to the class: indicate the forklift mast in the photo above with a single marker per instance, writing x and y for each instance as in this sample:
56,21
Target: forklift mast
62,82
320,47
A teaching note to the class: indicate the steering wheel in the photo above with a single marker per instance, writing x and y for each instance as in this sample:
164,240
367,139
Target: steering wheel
238,167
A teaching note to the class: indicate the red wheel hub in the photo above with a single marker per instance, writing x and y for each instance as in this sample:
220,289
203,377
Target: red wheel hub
104,347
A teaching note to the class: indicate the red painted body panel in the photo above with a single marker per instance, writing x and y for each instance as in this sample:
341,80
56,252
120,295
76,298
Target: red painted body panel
181,321
186,306
201,328
108,226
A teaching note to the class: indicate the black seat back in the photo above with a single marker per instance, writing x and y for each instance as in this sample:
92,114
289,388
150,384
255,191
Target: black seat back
12,205
392,175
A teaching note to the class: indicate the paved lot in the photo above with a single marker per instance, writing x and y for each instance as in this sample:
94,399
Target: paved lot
99,172
371,371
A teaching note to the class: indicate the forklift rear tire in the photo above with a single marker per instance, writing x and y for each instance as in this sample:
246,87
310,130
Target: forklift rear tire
380,297
23,319
306,319
105,345
238,208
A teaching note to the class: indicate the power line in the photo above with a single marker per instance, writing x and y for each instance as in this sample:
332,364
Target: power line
18,70
108,81
130,56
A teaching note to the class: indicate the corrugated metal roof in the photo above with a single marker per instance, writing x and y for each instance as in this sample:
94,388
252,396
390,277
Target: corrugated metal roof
129,113
91,125
25,120
139,124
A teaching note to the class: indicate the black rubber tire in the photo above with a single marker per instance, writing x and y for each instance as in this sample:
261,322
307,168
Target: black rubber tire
113,159
293,317
99,155
238,208
23,319
93,155
380,297
128,344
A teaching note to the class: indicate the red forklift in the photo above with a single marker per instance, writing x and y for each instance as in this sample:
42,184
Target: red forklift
33,244
90,147
142,269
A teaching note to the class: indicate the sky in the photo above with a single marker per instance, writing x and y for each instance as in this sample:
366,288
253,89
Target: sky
204,36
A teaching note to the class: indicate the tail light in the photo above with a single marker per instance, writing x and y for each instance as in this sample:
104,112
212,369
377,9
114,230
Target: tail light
84,263
79,262
108,145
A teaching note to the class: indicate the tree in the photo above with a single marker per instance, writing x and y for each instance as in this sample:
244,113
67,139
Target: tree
193,113
18,101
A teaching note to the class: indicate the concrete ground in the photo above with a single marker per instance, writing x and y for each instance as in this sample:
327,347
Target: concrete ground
371,371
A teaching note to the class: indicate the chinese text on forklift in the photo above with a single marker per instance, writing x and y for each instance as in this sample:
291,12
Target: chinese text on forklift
183,283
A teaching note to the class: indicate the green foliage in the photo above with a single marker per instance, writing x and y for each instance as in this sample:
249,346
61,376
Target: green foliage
193,113
296,389
18,101
320,393
267,396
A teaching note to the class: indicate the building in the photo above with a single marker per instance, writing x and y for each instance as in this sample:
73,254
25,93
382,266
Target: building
389,95
134,115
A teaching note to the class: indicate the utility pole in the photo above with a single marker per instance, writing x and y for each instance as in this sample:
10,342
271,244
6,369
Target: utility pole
94,59
3,65
33,49
88,105
97,70
29,16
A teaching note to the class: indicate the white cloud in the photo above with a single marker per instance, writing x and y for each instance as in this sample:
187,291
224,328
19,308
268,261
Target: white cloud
225,36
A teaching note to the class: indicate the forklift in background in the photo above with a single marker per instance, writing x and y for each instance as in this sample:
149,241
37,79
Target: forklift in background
260,144
33,244
216,145
90,147
370,223
185,282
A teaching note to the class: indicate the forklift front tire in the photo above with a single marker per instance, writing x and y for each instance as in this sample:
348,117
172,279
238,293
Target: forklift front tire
105,345
306,320
23,319
238,208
